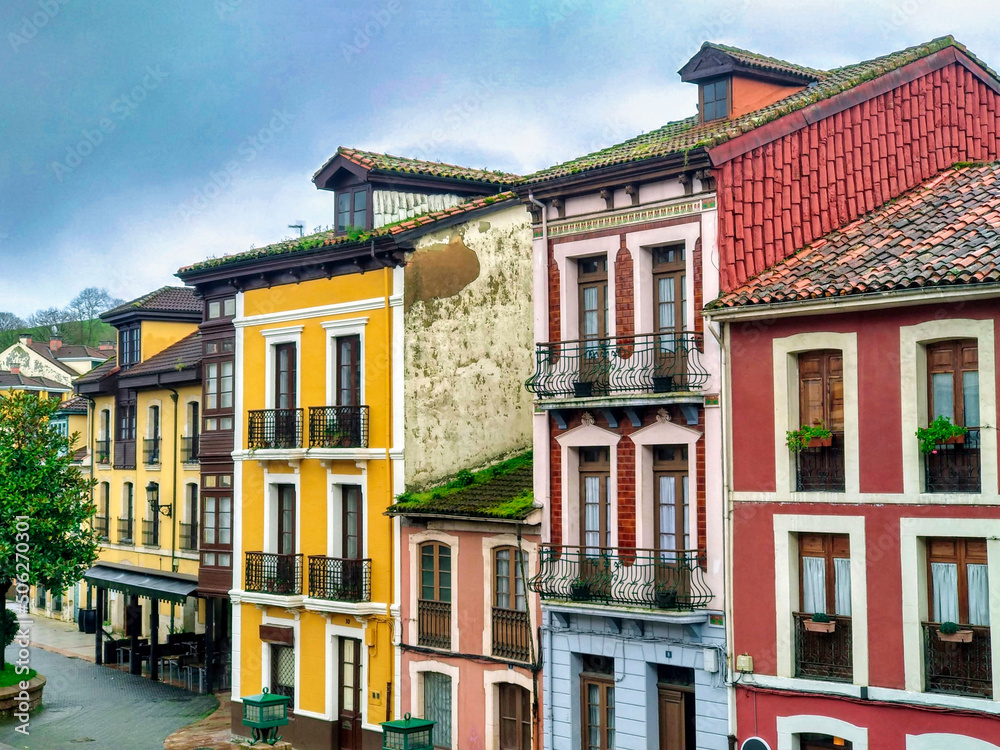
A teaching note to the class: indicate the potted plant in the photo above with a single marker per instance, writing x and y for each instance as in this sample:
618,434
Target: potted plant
950,632
663,383
583,389
666,597
940,432
820,623
816,436
579,589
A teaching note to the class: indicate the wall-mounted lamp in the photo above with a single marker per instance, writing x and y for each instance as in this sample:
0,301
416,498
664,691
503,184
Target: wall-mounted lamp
153,498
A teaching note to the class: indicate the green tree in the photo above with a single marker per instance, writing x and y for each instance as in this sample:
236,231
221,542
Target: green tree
46,537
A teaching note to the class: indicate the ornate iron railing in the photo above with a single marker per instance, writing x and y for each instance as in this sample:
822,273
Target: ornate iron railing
151,451
954,468
189,449
433,623
101,527
103,450
189,536
125,531
825,656
340,579
511,634
647,363
958,668
124,454
151,533
636,578
821,469
271,573
338,426
274,428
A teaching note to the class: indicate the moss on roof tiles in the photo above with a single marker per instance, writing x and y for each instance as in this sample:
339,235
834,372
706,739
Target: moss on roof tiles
405,165
502,491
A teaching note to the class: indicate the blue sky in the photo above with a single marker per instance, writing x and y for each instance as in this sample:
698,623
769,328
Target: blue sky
138,137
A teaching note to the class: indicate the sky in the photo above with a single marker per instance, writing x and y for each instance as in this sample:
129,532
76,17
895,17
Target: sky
136,138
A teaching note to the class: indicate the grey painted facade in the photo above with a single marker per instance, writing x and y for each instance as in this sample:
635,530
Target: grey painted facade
638,641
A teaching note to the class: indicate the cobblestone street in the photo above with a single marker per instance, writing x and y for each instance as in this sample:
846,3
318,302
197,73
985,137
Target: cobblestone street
87,705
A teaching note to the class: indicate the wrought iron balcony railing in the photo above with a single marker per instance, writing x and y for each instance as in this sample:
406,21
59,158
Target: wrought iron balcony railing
271,573
189,537
821,469
151,451
958,668
338,426
274,429
647,363
954,468
433,623
511,634
631,577
340,579
101,527
189,449
151,533
125,531
824,656
103,450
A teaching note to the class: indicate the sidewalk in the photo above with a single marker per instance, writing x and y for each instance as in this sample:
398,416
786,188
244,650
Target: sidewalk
60,637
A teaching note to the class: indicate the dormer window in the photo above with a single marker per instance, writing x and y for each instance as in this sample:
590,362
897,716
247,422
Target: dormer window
128,346
715,100
352,209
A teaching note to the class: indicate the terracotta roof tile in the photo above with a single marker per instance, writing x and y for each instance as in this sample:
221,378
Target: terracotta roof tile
763,62
75,405
183,355
164,299
99,373
945,232
404,165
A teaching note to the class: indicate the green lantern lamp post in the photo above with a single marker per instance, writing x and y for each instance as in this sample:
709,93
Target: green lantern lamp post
407,734
263,714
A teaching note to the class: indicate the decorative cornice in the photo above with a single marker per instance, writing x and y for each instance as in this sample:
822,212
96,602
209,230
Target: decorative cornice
602,221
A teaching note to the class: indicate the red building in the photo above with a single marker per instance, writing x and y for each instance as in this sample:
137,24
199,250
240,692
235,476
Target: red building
850,548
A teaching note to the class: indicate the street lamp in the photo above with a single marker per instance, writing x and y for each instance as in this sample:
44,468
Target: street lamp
263,714
153,498
407,734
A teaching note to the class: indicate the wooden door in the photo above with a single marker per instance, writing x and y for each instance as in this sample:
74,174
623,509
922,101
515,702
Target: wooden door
349,722
515,717
676,712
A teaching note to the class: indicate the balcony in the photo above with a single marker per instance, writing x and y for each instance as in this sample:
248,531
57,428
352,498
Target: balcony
650,363
669,580
271,429
339,579
338,427
189,537
189,450
824,656
101,527
124,454
511,634
151,533
433,623
954,468
271,573
821,469
958,668
151,451
102,449
125,529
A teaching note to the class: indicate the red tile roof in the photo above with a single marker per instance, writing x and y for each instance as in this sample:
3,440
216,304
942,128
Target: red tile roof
945,233
75,405
765,63
164,299
404,165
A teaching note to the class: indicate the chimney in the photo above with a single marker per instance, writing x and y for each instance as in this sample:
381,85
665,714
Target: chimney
55,344
15,370
106,346
24,339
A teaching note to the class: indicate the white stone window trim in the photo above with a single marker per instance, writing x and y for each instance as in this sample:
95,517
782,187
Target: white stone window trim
944,741
530,552
422,537
335,510
570,442
785,352
265,654
566,255
333,634
914,398
335,329
790,727
786,585
492,680
417,671
912,546
641,245
273,337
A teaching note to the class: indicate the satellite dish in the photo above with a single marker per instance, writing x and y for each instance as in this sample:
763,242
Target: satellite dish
755,743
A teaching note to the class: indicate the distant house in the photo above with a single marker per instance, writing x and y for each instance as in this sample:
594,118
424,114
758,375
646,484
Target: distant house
51,360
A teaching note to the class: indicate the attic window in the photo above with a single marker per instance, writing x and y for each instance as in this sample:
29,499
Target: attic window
352,209
715,100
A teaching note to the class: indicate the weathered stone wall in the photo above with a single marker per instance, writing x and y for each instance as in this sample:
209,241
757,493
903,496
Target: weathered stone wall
391,206
468,346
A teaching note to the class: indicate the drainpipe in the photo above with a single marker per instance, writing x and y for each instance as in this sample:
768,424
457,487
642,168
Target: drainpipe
391,694
174,396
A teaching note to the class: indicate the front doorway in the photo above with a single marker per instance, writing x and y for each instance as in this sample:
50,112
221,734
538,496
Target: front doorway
349,720
823,742
675,695
515,717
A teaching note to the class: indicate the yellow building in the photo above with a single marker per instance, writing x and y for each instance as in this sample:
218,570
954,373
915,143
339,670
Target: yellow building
370,359
144,422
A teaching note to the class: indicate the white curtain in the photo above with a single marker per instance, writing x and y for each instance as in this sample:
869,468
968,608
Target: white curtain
668,517
842,585
979,595
944,583
813,584
592,514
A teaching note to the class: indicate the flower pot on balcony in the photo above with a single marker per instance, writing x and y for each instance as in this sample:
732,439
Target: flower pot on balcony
579,591
583,389
820,442
961,636
666,599
663,383
820,627
954,440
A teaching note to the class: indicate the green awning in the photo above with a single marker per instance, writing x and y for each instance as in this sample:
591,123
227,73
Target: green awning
173,587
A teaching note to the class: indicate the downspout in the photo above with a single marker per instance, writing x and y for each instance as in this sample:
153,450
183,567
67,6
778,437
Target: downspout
392,691
174,396
536,660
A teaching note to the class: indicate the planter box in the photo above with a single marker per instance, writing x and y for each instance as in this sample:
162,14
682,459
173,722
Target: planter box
953,440
820,442
819,627
666,599
962,636
663,383
579,592
9,704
